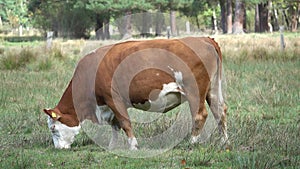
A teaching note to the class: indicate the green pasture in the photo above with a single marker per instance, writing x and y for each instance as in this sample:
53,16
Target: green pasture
262,93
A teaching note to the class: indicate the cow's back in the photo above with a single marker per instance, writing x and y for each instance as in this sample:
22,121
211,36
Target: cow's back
143,66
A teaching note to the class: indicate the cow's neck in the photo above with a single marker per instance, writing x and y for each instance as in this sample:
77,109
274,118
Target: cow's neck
66,108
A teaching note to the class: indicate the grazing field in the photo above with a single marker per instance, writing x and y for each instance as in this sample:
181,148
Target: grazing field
262,94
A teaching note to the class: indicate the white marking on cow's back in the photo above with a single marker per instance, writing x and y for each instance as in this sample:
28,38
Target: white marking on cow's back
170,87
168,97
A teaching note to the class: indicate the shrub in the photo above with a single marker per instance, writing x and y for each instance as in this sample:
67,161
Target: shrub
57,53
1,50
15,60
45,64
22,38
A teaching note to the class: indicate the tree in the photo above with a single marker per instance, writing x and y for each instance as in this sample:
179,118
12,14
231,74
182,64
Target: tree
223,15
76,18
66,18
229,16
4,5
143,22
159,21
124,9
193,11
15,13
239,17
294,12
203,13
172,6
262,16
102,11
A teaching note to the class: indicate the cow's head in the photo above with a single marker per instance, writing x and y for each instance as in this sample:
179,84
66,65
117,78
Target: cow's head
62,135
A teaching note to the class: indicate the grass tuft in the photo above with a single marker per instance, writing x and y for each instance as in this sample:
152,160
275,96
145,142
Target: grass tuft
17,59
45,64
1,50
57,53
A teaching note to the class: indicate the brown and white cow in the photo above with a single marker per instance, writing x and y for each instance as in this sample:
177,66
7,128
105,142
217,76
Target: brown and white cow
153,75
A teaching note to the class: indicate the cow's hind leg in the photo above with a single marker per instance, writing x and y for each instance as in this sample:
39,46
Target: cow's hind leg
122,117
216,103
199,121
199,115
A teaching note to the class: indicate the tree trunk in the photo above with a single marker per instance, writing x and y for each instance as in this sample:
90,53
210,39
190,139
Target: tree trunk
270,6
214,22
263,17
275,20
245,18
99,27
298,15
1,22
294,23
286,19
146,24
159,22
173,22
239,17
106,28
257,23
127,25
294,19
198,23
145,27
223,15
229,16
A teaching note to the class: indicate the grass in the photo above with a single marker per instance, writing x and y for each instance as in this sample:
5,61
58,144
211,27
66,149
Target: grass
262,93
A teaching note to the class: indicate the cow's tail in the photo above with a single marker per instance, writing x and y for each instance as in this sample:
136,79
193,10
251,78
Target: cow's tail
218,104
221,76
218,50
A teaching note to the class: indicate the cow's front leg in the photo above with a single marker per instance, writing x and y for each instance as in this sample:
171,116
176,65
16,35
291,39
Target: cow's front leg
126,126
133,145
122,117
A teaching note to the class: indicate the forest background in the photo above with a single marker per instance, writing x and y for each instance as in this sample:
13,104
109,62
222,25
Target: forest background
78,18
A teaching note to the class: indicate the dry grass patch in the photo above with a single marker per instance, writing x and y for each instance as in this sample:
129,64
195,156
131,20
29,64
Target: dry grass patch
259,47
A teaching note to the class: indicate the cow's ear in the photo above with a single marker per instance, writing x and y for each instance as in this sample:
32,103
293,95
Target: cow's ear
51,113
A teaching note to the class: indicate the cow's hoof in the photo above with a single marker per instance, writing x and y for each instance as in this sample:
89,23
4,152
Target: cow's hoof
226,143
194,139
133,145
133,148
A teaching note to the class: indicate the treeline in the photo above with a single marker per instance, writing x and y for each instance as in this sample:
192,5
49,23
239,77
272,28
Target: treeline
77,18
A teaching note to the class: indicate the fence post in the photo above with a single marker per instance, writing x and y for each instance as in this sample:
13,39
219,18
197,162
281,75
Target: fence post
49,40
282,44
168,32
188,27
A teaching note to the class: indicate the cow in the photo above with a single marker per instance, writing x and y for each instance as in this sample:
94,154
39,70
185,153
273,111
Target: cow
153,75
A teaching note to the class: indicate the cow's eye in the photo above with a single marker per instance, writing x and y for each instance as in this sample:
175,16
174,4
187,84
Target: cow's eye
52,128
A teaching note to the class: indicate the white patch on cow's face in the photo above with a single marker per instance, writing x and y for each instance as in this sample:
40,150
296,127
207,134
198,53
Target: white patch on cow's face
62,135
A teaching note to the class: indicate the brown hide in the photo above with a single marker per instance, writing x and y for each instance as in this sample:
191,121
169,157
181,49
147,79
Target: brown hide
129,72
